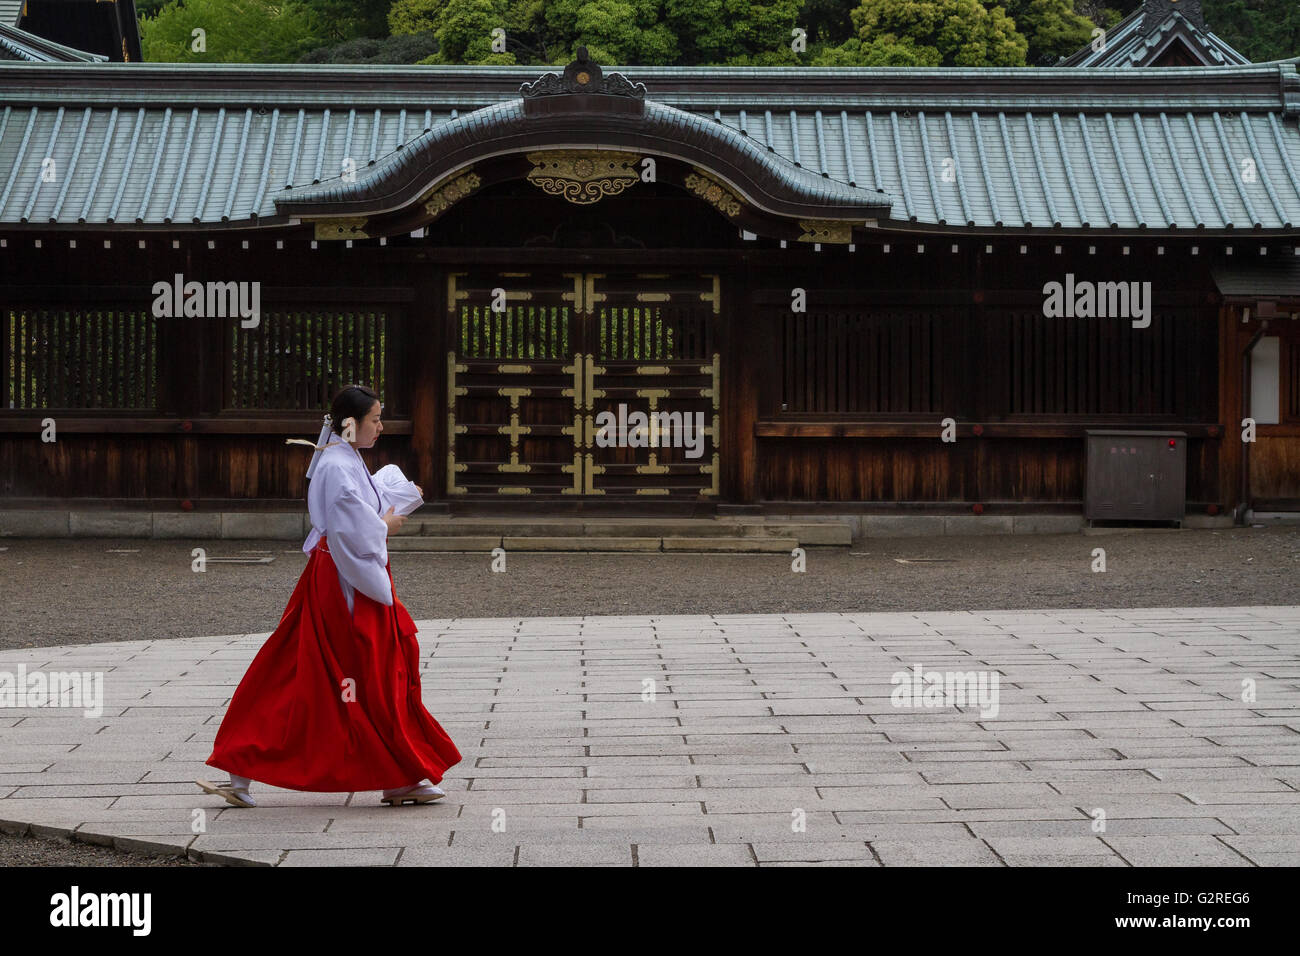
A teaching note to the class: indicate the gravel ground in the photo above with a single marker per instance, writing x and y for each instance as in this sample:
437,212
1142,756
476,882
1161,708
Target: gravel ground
73,592
84,591
45,851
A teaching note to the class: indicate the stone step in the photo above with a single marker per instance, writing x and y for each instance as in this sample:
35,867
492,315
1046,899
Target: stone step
626,543
813,534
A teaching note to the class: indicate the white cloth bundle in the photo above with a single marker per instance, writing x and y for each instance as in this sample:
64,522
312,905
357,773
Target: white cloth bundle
397,492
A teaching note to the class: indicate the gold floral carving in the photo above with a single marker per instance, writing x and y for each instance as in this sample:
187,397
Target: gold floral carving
715,193
583,176
441,199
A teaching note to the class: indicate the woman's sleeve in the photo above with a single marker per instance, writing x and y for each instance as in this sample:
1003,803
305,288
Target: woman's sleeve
358,537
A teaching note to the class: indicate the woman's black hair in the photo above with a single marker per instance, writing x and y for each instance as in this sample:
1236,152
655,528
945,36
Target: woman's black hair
352,401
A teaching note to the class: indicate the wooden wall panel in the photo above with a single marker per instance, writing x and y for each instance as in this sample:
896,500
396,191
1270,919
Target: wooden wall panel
1275,467
1010,470
153,468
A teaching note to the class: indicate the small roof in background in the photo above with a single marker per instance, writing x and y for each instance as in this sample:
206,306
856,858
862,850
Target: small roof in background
1254,277
16,44
95,29
1158,33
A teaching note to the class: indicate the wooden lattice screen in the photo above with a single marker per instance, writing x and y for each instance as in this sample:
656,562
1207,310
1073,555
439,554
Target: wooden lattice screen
882,361
79,359
542,332
661,334
297,360
517,332
1038,365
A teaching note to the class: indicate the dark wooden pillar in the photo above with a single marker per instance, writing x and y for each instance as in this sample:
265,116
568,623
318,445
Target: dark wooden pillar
1231,342
182,379
976,397
749,344
424,345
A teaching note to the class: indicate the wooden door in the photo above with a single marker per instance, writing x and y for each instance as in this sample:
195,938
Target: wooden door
586,384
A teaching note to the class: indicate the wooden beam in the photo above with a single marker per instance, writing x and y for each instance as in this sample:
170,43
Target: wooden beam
425,342
299,425
748,365
930,428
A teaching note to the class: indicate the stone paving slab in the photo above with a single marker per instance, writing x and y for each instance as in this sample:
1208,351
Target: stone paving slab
769,740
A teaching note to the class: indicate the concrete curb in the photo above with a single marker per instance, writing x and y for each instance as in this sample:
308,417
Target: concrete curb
160,845
471,533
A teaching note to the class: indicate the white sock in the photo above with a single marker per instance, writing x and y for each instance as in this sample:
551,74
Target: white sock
239,783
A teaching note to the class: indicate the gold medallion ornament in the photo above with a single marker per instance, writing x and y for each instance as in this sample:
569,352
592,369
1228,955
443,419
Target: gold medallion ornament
717,194
348,227
583,176
824,230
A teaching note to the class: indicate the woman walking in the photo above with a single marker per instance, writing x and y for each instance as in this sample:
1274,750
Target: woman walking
332,701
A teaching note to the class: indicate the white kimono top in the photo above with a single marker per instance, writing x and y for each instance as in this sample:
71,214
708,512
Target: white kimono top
345,502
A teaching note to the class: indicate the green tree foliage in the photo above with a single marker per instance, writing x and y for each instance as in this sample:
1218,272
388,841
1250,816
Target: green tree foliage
882,51
827,21
234,31
463,28
734,32
1262,30
929,33
1052,27
614,31
349,19
410,48
681,32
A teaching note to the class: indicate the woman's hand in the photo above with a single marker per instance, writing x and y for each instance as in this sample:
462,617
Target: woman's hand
393,520
419,489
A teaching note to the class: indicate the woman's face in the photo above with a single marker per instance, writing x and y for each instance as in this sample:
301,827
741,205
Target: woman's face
370,427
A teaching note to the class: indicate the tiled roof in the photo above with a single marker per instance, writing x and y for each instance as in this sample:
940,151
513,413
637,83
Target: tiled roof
22,45
1084,150
771,182
1266,276
1128,45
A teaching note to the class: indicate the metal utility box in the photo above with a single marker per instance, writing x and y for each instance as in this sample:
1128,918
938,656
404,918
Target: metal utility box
1136,476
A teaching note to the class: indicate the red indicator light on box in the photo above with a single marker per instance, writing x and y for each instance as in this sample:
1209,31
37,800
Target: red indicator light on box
1172,443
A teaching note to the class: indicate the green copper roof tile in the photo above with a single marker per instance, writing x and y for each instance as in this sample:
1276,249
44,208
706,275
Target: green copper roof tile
1096,173
20,157
93,190
1205,169
1276,129
1262,177
72,164
1121,158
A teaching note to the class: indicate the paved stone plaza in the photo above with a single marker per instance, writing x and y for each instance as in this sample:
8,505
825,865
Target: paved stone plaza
759,723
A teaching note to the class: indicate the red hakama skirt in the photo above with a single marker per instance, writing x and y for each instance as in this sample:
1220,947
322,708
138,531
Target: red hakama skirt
297,722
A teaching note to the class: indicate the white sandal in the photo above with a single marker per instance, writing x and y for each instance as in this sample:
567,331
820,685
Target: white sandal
415,793
238,797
